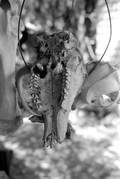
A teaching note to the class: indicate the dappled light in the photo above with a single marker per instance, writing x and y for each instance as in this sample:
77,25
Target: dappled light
93,152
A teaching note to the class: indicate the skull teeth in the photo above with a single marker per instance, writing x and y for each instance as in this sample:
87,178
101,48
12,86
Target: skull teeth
34,89
65,87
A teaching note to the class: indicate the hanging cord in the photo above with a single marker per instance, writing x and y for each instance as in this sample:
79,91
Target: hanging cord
19,36
109,37
71,11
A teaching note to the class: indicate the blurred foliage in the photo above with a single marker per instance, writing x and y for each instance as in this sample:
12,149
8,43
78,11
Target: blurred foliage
51,16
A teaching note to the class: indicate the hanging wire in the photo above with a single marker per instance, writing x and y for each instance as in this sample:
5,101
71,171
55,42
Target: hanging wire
110,30
19,36
64,29
110,22
71,11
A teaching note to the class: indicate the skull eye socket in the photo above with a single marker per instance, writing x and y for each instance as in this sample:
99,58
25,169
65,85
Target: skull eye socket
53,65
36,70
42,72
63,64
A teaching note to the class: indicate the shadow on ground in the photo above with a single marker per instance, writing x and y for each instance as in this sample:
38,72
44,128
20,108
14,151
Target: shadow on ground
91,154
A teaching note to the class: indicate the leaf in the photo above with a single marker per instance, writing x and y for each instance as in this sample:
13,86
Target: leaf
101,86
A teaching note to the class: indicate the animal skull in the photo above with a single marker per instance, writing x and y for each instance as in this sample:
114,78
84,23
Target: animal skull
55,79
